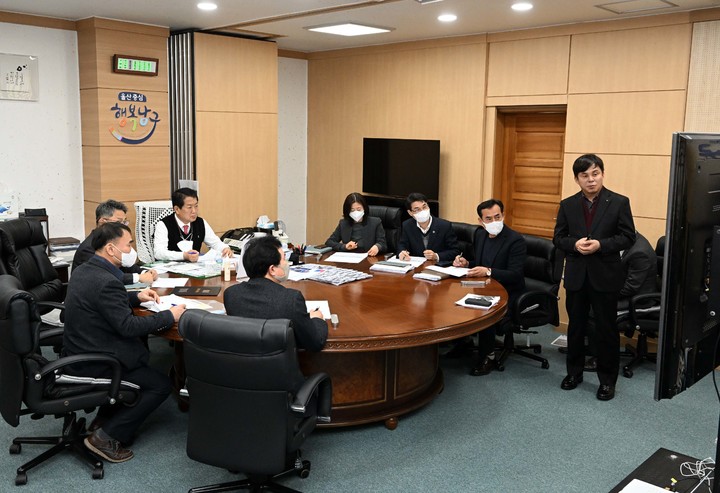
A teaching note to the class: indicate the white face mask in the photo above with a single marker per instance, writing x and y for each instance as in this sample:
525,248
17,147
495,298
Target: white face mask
494,227
422,216
357,215
127,259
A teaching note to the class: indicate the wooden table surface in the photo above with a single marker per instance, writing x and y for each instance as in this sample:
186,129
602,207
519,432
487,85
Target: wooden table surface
383,356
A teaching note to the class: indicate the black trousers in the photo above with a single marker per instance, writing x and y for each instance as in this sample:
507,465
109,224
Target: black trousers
606,338
120,421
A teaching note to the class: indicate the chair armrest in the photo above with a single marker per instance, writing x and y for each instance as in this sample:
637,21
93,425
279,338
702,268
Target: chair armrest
530,301
51,304
321,384
48,333
644,308
112,362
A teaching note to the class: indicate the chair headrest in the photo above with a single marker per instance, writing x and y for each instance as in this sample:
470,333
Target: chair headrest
22,233
390,216
542,262
236,334
464,231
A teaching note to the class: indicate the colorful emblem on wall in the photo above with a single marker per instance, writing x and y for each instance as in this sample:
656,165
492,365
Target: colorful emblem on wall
135,121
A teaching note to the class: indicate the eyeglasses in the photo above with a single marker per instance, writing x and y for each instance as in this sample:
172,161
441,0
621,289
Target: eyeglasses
419,209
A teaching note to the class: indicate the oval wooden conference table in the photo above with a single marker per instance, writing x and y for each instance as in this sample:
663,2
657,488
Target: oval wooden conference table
383,355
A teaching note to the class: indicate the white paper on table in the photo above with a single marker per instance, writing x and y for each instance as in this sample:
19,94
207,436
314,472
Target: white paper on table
494,300
322,304
347,257
210,256
414,261
637,486
167,302
169,282
452,271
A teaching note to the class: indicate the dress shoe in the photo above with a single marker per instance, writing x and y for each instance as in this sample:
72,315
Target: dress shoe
571,381
606,392
590,364
483,368
110,450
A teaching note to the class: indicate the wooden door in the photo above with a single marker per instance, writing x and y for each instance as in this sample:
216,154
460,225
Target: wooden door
531,170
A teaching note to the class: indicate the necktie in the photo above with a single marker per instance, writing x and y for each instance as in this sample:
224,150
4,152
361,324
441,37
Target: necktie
185,229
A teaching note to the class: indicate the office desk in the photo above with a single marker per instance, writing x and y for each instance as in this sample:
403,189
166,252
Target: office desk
383,356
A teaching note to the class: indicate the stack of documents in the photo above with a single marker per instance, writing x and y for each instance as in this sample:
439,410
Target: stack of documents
414,261
316,249
395,266
171,300
347,257
452,271
337,276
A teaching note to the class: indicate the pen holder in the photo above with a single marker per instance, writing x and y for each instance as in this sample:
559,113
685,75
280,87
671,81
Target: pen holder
295,258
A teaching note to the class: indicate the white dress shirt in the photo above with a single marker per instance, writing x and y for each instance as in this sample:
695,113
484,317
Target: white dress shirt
160,242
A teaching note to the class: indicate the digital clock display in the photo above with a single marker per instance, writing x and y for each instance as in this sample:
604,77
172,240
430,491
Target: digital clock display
135,65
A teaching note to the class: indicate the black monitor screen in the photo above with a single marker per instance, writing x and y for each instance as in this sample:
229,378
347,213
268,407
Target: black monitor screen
398,167
690,308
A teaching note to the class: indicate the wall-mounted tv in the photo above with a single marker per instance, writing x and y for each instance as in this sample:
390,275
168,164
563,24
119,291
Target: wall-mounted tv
398,167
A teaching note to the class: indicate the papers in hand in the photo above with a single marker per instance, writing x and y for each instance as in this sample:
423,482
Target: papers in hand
171,300
347,257
452,271
322,305
494,300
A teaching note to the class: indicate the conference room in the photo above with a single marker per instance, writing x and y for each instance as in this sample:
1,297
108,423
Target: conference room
285,139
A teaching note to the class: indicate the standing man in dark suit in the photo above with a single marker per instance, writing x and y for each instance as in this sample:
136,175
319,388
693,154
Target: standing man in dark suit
99,319
180,236
593,227
499,254
424,235
263,296
111,211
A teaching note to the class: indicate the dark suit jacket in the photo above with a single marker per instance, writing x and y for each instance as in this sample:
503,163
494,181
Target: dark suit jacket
263,298
85,252
442,239
640,265
99,317
612,226
509,262
372,233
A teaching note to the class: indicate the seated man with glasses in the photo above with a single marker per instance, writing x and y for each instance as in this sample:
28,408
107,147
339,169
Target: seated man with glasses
180,236
112,211
424,235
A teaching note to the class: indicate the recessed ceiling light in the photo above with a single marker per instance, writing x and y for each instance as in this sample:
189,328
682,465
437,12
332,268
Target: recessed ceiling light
206,6
349,29
447,18
522,6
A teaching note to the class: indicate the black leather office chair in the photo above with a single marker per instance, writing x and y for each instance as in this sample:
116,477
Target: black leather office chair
250,406
29,384
466,238
538,305
391,221
644,316
24,254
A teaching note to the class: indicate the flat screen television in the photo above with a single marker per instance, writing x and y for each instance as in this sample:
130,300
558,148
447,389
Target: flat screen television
398,167
690,300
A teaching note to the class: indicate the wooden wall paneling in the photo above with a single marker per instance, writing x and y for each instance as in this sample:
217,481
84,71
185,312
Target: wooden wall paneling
702,113
528,67
649,59
534,100
236,167
624,123
421,94
130,173
235,74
